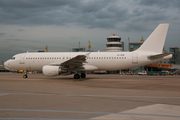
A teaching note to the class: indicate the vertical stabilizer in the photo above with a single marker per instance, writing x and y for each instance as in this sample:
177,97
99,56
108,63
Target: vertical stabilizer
155,42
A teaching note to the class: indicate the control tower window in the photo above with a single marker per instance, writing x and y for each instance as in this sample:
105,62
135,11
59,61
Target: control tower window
114,39
114,45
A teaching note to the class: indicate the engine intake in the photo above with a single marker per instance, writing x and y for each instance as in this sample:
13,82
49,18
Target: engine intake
53,70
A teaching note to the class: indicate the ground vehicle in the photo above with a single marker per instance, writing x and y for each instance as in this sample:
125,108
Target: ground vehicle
142,73
152,73
156,73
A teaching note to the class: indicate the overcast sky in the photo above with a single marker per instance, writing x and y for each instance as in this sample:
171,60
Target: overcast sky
30,25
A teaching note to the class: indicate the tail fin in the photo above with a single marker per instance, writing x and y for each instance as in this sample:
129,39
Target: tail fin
155,42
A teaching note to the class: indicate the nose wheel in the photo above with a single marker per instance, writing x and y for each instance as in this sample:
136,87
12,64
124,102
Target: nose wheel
25,76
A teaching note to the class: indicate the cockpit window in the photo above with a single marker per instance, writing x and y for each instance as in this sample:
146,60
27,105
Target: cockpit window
13,58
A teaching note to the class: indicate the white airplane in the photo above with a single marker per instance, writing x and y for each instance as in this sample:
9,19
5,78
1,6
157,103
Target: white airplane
66,63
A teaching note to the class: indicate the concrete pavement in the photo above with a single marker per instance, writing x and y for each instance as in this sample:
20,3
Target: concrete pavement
96,97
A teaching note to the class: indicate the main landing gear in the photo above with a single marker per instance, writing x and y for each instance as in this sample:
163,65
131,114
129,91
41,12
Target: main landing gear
77,76
25,75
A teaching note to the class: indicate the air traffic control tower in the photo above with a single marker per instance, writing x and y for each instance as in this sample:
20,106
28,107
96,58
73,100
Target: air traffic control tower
114,44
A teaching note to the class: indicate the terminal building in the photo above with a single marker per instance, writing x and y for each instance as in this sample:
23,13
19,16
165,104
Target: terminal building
135,45
176,55
78,49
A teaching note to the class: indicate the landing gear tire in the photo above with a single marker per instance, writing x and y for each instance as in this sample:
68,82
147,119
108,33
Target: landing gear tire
25,76
76,76
83,75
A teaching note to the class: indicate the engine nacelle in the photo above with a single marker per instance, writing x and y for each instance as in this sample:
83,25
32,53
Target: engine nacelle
53,70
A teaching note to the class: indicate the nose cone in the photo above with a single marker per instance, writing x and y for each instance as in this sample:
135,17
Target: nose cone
6,64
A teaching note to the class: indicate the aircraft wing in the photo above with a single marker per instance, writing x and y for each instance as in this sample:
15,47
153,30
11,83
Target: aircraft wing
76,62
159,55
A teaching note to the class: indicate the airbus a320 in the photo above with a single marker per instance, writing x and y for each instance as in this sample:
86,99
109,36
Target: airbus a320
66,63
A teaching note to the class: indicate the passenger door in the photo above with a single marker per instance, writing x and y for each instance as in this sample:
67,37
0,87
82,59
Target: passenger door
22,59
135,58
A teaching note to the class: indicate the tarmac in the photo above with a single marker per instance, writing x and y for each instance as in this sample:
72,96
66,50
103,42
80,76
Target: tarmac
97,97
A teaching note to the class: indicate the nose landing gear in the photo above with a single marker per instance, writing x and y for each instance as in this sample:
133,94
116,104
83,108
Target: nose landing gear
25,74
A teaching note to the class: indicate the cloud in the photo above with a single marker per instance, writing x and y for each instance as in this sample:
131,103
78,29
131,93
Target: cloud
34,12
20,30
30,24
12,40
161,3
88,13
2,34
36,3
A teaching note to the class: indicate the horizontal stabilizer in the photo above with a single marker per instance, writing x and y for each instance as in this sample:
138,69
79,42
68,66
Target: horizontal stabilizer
159,55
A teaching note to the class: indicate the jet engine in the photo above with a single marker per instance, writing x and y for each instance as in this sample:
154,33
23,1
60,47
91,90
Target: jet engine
53,70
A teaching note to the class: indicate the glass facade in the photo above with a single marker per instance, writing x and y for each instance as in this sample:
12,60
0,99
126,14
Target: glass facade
134,46
78,49
114,45
113,39
176,55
